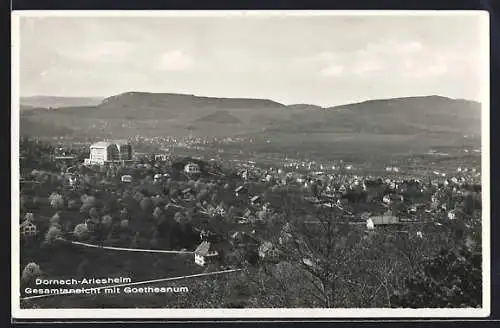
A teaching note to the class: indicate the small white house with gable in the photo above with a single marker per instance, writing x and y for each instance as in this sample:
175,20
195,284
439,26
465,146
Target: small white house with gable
221,210
126,178
28,228
204,254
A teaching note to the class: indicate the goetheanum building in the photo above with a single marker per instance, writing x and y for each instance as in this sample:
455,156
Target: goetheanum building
103,152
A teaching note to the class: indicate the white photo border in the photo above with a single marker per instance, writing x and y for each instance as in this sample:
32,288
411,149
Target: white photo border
283,313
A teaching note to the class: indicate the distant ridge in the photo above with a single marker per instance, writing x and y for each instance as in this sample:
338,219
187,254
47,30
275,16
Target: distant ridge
129,114
428,100
148,99
57,102
221,116
305,106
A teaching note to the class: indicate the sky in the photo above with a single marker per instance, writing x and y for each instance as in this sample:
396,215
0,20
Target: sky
323,60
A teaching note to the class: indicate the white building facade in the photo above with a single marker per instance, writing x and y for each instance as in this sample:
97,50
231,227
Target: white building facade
109,151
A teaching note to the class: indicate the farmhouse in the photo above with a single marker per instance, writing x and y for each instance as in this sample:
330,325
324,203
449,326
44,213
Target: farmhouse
204,254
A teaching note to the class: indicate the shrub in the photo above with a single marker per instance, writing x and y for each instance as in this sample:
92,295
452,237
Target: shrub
56,200
55,219
52,235
31,271
85,208
93,213
107,220
124,224
72,204
451,279
146,204
81,231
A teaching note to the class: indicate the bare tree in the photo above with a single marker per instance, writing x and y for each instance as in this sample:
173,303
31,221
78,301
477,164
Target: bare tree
321,253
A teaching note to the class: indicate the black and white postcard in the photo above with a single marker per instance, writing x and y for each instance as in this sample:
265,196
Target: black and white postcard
250,164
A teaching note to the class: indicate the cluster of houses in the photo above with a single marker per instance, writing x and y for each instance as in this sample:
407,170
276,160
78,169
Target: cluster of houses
316,181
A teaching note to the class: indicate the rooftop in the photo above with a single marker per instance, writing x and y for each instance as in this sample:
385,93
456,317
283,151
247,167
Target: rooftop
203,249
103,144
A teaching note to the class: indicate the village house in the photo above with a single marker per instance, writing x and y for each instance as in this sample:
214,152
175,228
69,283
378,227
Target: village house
192,168
204,254
255,200
268,251
244,174
239,191
285,234
243,239
73,180
392,198
266,207
309,262
27,227
161,157
385,219
246,217
342,189
434,202
211,210
369,224
157,178
413,209
301,180
126,178
221,210
188,193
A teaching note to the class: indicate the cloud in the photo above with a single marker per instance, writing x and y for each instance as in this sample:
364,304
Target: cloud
176,61
453,63
99,52
410,47
392,47
422,69
332,70
322,57
369,66
367,57
392,58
